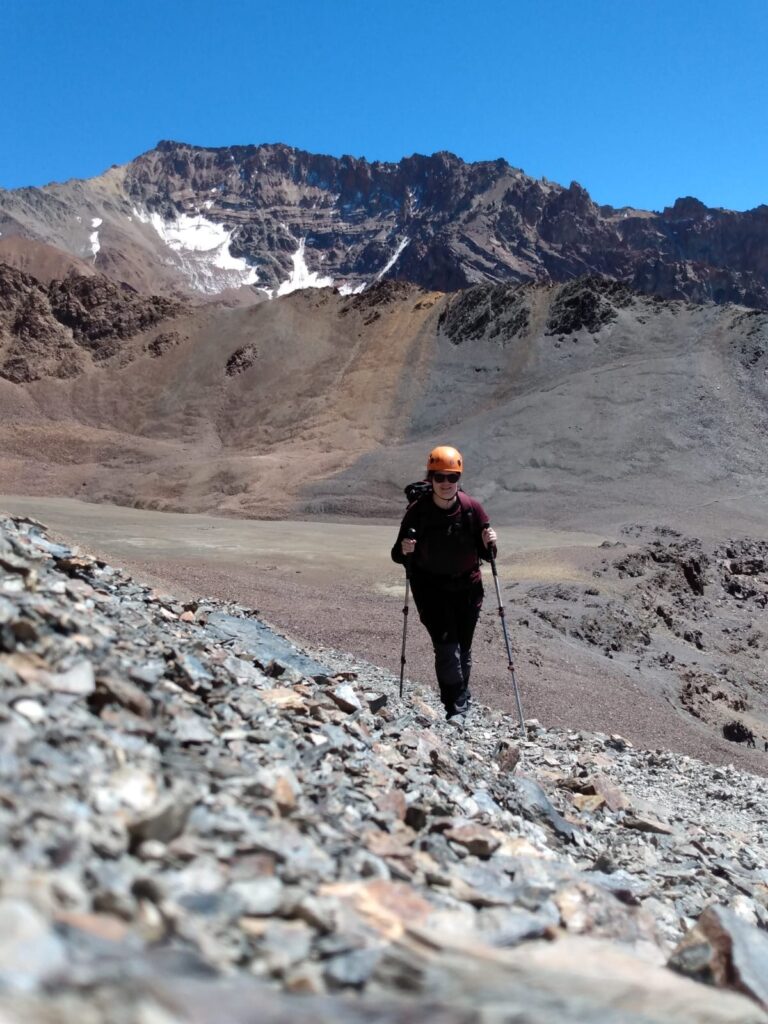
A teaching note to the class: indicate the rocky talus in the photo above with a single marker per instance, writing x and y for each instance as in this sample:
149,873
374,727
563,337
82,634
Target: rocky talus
202,822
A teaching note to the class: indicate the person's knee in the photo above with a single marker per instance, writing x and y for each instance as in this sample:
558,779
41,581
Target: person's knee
448,661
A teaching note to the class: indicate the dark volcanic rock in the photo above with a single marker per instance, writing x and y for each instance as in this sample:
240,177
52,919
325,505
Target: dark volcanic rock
52,330
33,343
587,304
99,314
496,312
241,360
163,342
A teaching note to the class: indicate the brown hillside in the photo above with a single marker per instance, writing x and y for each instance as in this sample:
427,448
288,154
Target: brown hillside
566,401
44,262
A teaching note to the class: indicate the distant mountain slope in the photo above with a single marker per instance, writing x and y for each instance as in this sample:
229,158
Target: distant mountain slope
579,403
269,219
44,262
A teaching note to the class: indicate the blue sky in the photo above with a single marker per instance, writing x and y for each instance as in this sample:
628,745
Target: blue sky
640,101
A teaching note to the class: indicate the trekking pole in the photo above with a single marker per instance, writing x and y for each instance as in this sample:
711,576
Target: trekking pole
503,617
409,535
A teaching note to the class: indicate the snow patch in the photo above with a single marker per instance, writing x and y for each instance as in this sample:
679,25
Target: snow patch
93,238
353,289
201,250
301,277
393,260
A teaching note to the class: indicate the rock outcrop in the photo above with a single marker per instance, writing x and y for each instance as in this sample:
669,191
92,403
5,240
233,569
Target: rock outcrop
688,617
57,329
200,818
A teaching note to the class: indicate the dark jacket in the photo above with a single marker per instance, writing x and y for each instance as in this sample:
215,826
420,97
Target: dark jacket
449,543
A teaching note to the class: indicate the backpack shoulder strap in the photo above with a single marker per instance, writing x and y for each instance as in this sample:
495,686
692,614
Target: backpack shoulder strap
467,511
416,510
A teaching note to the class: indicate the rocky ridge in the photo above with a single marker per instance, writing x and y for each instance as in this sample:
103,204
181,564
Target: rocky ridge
198,220
59,328
201,820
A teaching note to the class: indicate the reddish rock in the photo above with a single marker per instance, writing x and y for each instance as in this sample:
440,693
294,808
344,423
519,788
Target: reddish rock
477,839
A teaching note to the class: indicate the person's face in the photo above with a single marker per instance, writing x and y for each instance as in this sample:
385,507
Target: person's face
445,485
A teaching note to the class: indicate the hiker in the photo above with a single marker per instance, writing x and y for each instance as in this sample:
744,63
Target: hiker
452,534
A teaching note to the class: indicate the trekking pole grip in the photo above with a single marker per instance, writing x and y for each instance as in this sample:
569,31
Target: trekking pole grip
409,534
492,549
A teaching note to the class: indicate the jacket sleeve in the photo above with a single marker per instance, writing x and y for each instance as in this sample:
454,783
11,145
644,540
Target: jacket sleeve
482,519
409,520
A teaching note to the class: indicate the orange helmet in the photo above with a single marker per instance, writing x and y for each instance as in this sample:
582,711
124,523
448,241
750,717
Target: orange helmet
445,459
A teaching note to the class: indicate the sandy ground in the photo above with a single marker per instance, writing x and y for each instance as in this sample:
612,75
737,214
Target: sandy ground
334,585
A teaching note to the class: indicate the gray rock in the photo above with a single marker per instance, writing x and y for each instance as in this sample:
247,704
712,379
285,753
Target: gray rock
165,820
284,944
531,800
351,970
192,728
264,645
508,927
260,897
725,950
79,680
31,954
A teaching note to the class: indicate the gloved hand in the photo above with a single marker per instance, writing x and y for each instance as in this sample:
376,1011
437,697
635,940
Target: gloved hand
489,537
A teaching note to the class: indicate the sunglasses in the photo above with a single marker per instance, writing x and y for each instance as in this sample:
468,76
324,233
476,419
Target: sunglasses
442,478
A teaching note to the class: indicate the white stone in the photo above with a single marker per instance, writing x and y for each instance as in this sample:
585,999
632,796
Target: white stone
32,710
79,680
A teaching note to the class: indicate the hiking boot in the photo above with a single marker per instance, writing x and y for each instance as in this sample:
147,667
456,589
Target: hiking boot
460,708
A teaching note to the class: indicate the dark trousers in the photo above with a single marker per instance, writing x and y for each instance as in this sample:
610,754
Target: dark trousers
450,615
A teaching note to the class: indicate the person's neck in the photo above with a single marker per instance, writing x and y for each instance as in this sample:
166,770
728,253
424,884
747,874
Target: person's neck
445,503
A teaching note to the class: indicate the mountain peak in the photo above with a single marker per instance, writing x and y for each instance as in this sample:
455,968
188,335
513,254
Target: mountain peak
270,215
